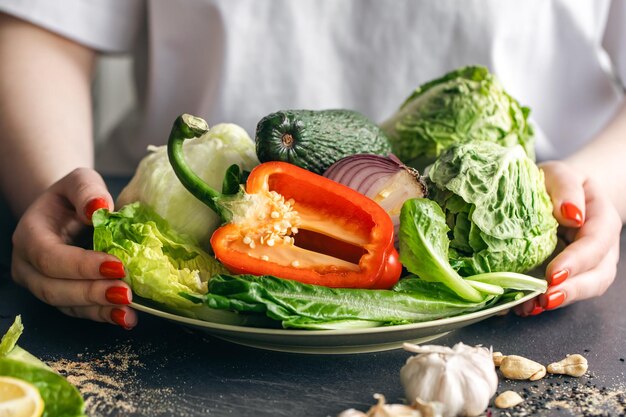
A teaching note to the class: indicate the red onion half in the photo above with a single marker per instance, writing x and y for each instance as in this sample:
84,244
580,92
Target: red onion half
386,180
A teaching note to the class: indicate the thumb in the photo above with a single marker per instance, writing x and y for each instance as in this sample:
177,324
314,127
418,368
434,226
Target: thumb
86,191
566,191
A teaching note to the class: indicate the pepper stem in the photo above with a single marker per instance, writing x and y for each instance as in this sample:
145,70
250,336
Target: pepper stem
185,127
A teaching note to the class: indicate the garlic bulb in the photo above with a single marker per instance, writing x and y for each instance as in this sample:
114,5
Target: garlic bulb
382,409
462,378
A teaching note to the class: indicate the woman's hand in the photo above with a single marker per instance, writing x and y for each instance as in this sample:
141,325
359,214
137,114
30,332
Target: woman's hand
80,282
591,225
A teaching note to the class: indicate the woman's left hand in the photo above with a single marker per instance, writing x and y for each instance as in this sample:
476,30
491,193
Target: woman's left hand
592,225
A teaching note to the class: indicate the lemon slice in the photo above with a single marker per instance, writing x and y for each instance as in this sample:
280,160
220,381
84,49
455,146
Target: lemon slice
19,398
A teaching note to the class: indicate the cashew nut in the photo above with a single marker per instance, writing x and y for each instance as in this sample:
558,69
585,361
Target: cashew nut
497,358
518,367
573,365
508,399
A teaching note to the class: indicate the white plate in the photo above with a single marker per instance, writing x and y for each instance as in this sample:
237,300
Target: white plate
329,341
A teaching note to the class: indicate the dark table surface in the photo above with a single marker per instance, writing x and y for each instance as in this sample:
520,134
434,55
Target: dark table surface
163,369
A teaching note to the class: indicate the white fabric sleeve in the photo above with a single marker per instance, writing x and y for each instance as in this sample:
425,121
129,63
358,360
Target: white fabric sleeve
105,25
614,41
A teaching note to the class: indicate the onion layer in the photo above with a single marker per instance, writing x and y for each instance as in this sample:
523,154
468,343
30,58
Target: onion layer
386,180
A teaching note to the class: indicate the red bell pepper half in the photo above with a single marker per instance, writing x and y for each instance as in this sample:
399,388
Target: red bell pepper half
294,224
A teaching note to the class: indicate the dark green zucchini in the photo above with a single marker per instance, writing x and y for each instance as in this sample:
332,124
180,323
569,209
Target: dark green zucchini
315,139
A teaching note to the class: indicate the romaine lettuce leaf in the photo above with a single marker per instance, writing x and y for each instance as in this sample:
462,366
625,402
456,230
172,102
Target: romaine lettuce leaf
424,247
305,306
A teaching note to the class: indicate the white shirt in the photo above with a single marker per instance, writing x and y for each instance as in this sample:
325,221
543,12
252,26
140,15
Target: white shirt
238,60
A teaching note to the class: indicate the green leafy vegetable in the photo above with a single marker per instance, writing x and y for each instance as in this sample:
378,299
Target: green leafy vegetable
160,263
424,247
465,105
512,280
9,339
424,252
209,156
496,207
306,306
232,180
61,398
485,288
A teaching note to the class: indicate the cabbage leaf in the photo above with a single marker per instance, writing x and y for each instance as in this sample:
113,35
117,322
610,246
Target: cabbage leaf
465,105
155,184
496,207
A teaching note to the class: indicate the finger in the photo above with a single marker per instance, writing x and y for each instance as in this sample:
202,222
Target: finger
122,316
36,242
528,308
67,293
86,191
592,242
565,188
589,284
71,262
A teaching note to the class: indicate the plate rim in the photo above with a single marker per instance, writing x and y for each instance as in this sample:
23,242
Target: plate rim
330,332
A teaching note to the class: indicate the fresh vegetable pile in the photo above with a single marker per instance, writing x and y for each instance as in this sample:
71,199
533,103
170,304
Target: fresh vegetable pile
313,251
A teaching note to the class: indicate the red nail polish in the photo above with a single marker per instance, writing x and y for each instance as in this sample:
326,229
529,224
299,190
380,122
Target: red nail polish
95,204
112,269
559,277
119,317
554,299
117,295
571,212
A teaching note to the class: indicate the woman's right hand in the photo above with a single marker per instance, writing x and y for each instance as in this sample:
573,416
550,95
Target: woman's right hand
591,225
80,282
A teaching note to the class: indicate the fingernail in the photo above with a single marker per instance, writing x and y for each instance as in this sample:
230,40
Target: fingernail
117,295
536,310
571,212
112,269
119,317
95,204
554,299
559,277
